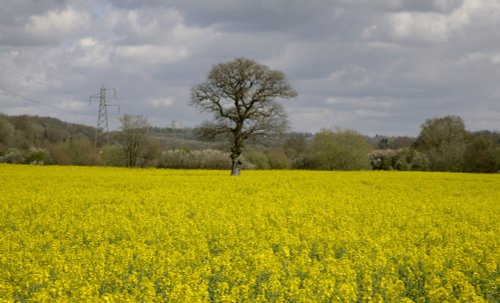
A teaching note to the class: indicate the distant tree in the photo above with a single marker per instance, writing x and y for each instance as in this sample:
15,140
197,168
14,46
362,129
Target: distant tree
278,159
383,142
382,159
296,149
401,142
113,155
37,156
78,150
482,155
6,133
257,158
135,138
241,94
340,150
151,153
411,159
13,155
25,132
55,134
443,140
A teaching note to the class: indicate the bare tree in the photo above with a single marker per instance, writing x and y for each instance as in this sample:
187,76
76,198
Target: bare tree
135,137
241,95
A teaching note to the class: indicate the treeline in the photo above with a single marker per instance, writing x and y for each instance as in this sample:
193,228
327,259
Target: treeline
443,144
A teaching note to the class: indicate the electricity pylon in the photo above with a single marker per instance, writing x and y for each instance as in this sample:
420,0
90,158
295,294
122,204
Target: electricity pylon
101,134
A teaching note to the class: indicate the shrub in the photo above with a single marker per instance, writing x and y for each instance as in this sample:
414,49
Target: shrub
14,156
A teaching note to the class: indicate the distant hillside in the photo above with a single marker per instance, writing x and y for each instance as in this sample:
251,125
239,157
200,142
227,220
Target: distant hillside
26,131
32,131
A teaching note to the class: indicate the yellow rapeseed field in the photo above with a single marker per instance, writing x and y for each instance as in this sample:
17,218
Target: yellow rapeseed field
88,234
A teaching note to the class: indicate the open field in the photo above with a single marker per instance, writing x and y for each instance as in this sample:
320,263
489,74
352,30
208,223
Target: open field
76,234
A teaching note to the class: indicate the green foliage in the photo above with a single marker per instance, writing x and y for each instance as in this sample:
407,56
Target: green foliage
401,159
268,159
75,151
444,141
339,150
448,146
37,156
482,155
296,148
411,159
443,144
151,153
382,159
278,159
6,132
258,158
13,156
113,155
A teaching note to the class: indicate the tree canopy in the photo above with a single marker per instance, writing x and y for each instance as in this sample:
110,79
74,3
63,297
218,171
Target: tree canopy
241,95
444,141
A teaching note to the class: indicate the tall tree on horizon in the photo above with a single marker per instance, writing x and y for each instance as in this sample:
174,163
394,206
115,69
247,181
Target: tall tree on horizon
241,95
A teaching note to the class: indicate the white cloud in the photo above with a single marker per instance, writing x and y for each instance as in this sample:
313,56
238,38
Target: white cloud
89,53
313,119
87,42
495,58
145,26
421,26
370,65
366,102
161,102
435,25
153,54
72,105
476,57
55,25
57,22
302,118
360,114
157,27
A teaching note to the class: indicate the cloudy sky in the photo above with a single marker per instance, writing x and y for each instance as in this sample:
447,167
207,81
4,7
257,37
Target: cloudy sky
375,66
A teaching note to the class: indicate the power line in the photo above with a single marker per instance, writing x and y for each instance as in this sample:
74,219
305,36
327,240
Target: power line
30,78
11,93
123,106
27,77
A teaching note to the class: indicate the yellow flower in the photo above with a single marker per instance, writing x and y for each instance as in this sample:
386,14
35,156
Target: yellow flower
90,234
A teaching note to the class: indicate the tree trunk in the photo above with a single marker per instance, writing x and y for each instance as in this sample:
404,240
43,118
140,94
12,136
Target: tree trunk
235,167
236,152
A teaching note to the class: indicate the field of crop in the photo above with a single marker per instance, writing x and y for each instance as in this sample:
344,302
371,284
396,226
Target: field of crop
75,234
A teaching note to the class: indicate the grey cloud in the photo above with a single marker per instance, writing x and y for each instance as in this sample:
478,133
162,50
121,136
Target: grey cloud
32,23
370,65
15,12
293,16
